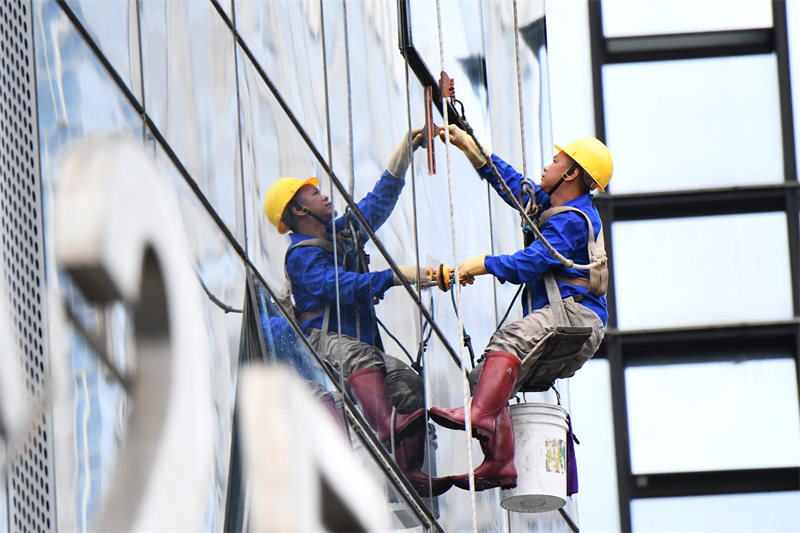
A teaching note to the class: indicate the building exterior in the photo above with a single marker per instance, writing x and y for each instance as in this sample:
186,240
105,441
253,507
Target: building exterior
142,280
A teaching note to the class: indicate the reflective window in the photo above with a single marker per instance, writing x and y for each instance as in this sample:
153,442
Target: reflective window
693,124
713,416
271,148
683,265
510,70
114,26
190,93
425,32
284,346
78,98
634,17
592,422
285,36
769,511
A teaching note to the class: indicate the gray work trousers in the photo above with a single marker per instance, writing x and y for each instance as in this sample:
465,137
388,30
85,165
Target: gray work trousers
521,336
348,355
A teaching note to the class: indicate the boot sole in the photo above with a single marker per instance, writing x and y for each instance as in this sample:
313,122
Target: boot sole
503,483
451,424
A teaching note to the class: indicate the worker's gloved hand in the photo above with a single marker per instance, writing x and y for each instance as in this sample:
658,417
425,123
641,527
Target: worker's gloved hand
472,267
412,274
461,140
398,163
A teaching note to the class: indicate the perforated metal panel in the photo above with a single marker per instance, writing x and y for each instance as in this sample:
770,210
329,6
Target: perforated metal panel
29,481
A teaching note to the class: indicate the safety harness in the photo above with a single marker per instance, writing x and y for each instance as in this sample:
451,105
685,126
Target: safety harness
349,242
558,350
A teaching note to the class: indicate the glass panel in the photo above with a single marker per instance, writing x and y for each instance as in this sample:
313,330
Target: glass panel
592,421
425,33
114,26
340,105
634,17
570,70
771,511
285,347
190,94
78,98
676,124
713,416
271,148
503,85
682,263
402,514
285,38
221,277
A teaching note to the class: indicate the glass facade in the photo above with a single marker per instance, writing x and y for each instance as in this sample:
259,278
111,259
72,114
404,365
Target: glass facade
228,96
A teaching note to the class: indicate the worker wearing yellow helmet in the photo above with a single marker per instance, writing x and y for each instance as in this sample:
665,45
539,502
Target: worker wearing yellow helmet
389,393
569,222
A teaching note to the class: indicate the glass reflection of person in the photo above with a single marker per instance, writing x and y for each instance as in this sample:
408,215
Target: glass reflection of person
388,391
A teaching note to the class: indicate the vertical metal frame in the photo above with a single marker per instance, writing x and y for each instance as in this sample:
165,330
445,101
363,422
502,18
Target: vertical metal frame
692,203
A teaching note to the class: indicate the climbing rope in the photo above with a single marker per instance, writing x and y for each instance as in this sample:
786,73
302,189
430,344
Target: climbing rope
446,98
519,94
529,224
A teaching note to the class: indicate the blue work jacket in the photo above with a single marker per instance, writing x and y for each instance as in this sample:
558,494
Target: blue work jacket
567,232
312,270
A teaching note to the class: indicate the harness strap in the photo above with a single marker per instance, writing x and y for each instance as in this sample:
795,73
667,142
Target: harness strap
554,296
308,315
598,276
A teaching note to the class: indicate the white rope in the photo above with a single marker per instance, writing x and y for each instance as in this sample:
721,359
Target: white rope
519,94
457,287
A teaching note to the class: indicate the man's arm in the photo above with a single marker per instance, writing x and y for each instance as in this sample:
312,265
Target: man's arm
313,278
566,232
513,179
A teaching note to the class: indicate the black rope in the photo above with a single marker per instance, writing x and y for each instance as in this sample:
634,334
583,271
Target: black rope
424,338
219,303
467,338
514,299
395,339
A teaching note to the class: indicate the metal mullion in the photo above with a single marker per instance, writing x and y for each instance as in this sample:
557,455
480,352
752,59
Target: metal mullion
607,216
694,45
700,202
598,57
709,344
622,448
611,344
743,481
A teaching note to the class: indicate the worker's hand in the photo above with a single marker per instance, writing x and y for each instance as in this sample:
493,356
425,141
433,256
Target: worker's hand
413,274
472,267
398,163
462,140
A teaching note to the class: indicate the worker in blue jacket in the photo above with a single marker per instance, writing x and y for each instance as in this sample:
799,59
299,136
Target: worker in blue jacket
389,392
566,184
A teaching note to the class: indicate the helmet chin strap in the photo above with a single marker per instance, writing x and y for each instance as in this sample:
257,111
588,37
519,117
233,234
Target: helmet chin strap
564,177
306,211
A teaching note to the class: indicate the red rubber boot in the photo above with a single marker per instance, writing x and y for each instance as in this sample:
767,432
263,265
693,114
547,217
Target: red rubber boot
410,455
369,388
497,469
491,396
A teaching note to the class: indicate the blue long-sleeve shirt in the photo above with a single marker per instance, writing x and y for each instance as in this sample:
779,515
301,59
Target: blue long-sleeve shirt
313,272
567,232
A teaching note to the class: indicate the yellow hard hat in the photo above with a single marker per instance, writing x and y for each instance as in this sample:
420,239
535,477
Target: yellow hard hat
593,156
279,195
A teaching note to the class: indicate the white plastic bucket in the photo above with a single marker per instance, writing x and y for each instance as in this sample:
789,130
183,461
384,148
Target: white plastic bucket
540,440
